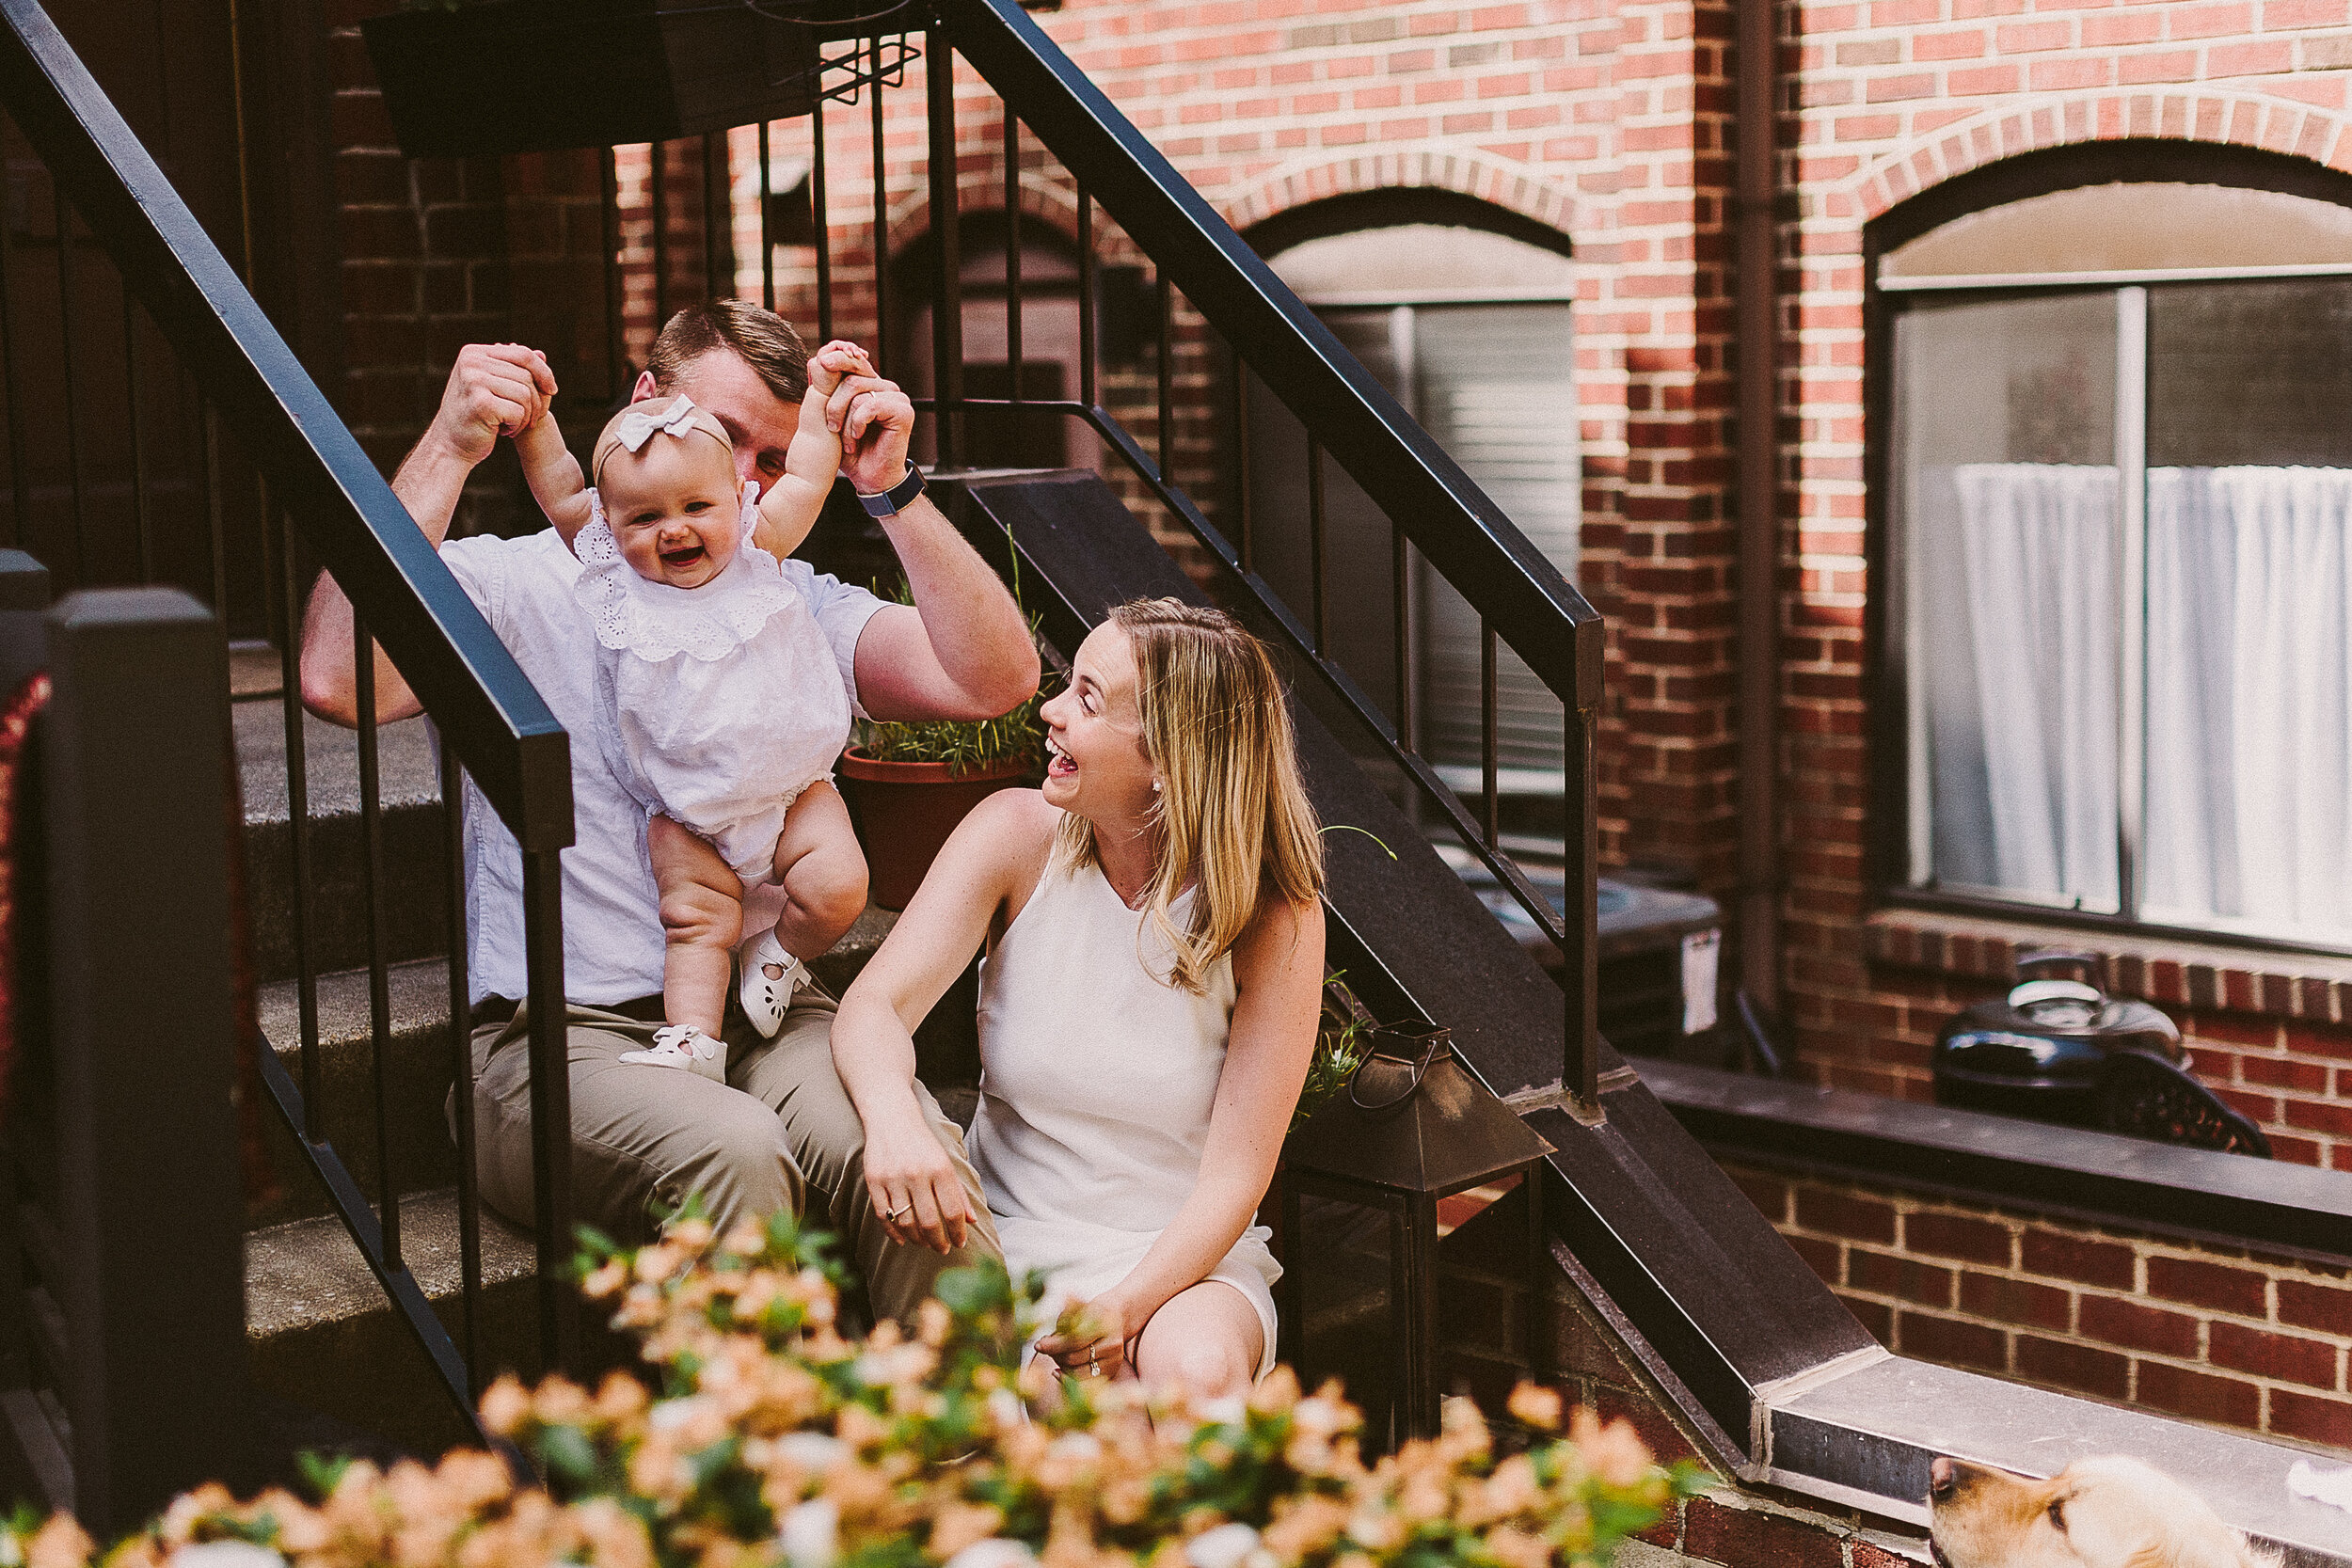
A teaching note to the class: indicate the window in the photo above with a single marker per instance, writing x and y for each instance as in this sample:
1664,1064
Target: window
2120,475
1473,333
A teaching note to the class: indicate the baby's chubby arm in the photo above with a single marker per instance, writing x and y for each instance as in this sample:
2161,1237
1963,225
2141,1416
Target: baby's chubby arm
788,508
556,482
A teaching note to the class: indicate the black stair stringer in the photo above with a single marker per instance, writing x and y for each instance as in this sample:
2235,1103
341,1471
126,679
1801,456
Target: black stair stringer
1681,1251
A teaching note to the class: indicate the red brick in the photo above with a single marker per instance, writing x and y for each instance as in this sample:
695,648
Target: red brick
1770,1194
2198,1396
1887,1274
2215,1285
1874,1316
2078,1257
1952,1340
2106,1321
2266,1354
1943,1235
1741,1539
1834,1213
2312,1418
2325,1307
2084,1369
2015,1301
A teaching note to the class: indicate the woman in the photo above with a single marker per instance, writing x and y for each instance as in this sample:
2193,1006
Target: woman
1148,1004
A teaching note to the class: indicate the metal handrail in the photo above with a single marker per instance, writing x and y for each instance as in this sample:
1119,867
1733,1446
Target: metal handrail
489,716
486,708
1355,420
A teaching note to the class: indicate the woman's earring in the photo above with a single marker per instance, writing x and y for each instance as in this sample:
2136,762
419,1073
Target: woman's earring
1155,787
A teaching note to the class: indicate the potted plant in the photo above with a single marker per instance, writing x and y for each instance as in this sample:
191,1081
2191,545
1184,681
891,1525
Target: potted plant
908,784
496,76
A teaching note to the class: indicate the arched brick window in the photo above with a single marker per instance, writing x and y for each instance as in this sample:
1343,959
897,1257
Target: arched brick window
2112,453
1464,312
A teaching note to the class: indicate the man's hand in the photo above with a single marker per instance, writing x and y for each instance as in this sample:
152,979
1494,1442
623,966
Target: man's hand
876,419
494,389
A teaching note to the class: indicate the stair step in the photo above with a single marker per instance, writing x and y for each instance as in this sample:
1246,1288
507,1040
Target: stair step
415,863
419,1070
321,1332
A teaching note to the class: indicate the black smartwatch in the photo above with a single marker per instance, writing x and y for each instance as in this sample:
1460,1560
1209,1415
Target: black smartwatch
890,502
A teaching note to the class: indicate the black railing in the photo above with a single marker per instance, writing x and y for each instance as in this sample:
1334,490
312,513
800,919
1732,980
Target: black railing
1436,511
315,491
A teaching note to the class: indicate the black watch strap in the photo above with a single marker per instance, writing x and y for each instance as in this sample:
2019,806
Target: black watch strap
890,502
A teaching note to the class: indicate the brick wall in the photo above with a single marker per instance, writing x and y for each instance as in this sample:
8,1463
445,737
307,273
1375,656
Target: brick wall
1889,97
2225,1336
1607,121
1482,1305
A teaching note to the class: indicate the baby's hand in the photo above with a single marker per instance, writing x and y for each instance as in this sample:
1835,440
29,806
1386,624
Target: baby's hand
828,365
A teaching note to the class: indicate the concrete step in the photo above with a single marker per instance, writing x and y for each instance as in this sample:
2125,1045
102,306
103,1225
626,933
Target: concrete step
415,865
322,1335
418,1067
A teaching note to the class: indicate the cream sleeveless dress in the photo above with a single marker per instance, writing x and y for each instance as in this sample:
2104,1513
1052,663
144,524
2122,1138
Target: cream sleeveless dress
1096,1082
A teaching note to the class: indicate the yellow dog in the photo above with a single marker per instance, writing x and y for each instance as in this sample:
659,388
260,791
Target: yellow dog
2112,1512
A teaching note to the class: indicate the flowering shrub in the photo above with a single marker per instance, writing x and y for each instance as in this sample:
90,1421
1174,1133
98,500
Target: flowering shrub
777,1442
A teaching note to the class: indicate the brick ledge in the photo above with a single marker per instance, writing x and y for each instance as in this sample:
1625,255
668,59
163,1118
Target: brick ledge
2183,974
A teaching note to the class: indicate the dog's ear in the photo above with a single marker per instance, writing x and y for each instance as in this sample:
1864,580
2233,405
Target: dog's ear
2258,1556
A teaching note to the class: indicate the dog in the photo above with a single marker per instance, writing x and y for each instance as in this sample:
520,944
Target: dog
2111,1513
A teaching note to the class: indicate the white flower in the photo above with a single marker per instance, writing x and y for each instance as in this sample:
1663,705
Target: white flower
225,1554
994,1553
1004,1407
1222,1412
668,1416
811,1534
1223,1547
812,1451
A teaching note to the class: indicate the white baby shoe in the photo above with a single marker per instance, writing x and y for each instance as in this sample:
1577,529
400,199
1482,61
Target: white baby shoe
683,1045
770,975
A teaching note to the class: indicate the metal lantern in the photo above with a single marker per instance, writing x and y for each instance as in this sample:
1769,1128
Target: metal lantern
1413,1127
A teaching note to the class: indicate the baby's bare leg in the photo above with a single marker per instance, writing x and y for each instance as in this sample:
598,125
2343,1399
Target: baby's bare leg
822,872
702,913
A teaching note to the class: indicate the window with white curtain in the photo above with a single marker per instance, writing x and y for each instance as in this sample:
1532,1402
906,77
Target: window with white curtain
2121,514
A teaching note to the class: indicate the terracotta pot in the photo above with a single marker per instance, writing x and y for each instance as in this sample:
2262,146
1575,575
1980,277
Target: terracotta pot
904,811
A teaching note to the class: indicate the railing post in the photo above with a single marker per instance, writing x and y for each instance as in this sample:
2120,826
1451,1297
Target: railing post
141,1021
939,80
1580,970
550,1109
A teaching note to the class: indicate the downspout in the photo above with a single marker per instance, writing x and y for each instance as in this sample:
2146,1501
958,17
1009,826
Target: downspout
1757,64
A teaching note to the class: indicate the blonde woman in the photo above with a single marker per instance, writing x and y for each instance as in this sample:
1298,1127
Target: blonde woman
1147,1005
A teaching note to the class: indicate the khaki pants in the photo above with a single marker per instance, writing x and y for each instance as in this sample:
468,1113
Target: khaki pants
780,1133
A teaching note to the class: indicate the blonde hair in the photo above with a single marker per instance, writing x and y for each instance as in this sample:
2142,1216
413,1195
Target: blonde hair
1232,812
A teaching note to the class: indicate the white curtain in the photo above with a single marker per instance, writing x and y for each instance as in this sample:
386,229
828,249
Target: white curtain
2017,588
2250,699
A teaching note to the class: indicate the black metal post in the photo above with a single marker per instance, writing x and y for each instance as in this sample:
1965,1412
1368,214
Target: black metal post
1244,505
615,341
1418,1313
1317,541
1492,804
718,219
1165,297
64,219
658,188
881,220
1013,273
280,530
550,1108
1087,301
136,768
461,1066
766,227
143,526
820,214
21,525
939,80
371,896
1579,974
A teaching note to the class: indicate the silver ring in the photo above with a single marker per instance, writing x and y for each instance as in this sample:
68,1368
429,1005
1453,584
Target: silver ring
894,1213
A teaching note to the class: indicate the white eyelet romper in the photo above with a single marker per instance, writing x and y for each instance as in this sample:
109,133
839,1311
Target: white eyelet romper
716,706
1096,1084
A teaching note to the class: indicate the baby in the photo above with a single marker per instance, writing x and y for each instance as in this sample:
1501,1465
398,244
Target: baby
720,705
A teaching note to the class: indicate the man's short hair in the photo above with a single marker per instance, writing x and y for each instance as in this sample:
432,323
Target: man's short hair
765,340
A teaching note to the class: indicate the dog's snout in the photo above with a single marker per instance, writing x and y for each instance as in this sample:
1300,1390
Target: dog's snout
1941,1474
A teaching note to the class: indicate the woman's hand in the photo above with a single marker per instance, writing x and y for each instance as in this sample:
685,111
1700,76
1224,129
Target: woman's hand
1090,1339
913,1184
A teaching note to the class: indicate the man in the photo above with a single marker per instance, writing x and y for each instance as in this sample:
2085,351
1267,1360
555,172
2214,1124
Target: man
780,1132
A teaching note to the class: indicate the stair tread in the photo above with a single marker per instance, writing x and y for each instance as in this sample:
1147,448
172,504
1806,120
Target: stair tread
405,770
420,990
307,1274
